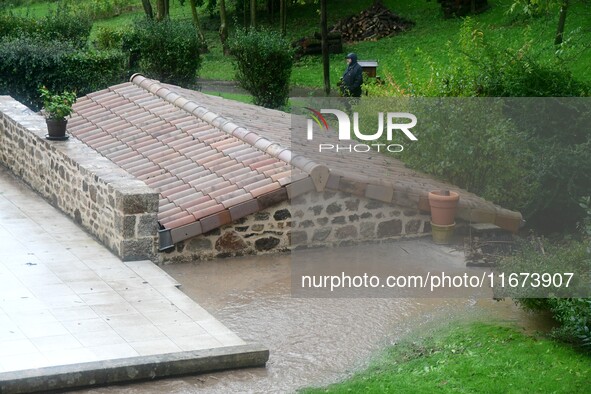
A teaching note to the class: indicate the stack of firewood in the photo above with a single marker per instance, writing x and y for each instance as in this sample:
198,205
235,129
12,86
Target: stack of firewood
372,24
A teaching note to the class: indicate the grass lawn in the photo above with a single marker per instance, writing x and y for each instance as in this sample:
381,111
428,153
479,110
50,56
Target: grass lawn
472,358
427,41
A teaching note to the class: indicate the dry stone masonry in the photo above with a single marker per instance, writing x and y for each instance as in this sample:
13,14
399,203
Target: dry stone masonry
313,219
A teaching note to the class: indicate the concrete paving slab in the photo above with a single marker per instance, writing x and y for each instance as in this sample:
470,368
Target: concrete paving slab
73,314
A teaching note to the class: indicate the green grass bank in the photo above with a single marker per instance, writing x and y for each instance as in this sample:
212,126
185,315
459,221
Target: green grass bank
472,358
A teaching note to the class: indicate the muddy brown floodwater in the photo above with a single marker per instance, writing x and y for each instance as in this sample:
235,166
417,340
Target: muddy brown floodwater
312,342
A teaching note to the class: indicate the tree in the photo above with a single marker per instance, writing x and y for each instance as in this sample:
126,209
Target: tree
283,16
163,8
197,23
561,22
253,13
223,27
325,57
534,8
148,9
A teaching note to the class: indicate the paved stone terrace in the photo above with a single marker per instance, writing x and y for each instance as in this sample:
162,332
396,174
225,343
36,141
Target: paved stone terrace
65,300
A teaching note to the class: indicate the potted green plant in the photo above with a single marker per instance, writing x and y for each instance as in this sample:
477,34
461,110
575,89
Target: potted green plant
56,109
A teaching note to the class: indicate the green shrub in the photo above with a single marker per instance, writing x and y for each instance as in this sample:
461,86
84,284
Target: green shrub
572,314
109,38
102,9
472,144
263,62
62,24
89,70
167,50
26,64
538,164
481,68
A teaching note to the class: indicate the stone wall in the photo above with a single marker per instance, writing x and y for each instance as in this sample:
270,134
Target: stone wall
311,220
118,209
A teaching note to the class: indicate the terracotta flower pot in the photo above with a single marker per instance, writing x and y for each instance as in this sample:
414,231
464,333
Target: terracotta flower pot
443,207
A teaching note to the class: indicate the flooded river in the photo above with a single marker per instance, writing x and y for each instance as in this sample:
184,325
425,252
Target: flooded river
312,342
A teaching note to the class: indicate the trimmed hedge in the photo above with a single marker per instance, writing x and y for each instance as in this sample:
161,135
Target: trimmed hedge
165,50
264,61
26,64
61,25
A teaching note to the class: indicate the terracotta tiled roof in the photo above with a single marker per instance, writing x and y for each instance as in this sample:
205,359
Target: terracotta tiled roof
214,161
208,170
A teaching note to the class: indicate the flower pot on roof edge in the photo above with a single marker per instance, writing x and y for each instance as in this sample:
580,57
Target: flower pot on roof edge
56,108
443,205
56,128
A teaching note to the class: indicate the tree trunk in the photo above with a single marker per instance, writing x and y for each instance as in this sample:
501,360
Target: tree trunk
561,22
197,24
163,8
253,13
283,16
271,10
148,9
325,59
223,27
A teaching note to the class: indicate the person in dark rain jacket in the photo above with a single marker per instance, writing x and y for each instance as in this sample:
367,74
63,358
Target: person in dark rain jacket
352,78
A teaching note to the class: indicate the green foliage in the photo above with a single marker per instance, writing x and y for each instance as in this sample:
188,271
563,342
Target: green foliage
8,4
531,8
101,9
55,105
263,62
472,144
482,68
167,50
572,314
89,70
109,39
466,359
63,24
26,64
524,164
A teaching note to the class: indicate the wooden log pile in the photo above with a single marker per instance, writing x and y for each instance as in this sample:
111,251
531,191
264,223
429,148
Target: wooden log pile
372,24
